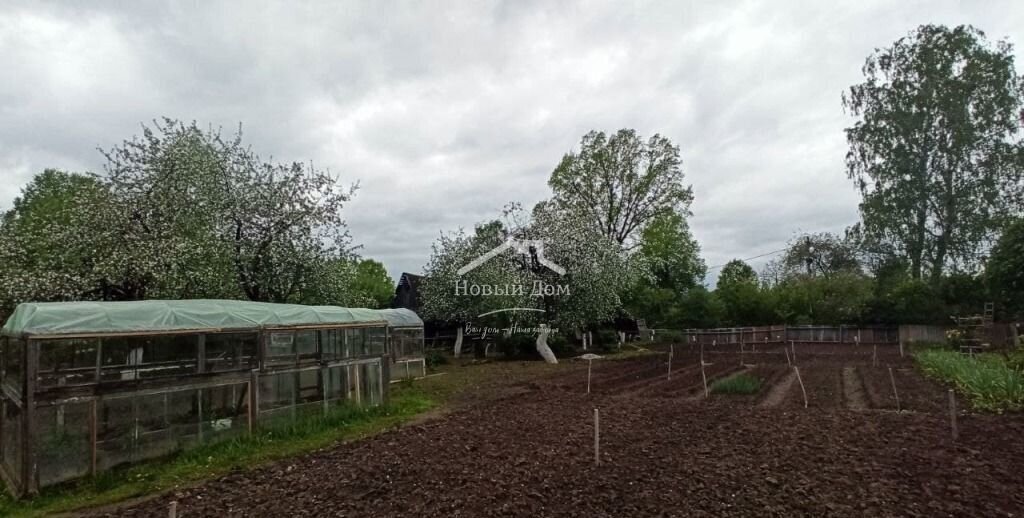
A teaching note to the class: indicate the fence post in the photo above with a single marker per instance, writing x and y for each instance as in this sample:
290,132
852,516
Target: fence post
254,399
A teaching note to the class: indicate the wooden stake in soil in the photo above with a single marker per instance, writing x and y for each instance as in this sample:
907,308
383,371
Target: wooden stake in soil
172,510
705,378
894,392
671,354
802,389
786,350
597,438
792,344
952,415
590,364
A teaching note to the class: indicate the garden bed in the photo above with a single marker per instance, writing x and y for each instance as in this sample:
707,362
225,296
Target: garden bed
532,454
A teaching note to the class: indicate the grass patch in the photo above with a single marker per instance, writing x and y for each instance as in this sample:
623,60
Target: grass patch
987,380
213,460
740,384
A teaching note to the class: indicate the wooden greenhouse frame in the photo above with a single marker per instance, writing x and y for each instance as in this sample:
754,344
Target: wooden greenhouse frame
86,386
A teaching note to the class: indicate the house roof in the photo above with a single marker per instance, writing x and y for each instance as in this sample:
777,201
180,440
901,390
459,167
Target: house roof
407,293
144,316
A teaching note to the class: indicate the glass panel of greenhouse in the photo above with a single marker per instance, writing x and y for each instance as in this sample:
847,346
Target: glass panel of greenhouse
89,386
405,343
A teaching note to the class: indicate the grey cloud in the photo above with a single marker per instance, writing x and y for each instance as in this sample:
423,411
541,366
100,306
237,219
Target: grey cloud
446,112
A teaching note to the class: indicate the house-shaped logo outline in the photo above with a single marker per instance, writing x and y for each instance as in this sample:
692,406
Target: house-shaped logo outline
521,246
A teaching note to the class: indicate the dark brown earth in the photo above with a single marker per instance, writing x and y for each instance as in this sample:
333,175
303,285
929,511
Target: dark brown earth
665,451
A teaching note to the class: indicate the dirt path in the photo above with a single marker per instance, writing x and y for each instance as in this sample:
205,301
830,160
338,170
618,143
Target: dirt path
779,391
853,390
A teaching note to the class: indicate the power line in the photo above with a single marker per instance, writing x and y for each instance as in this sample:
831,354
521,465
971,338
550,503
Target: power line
750,258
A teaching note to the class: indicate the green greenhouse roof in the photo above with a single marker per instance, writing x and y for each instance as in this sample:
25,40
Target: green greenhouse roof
78,318
401,317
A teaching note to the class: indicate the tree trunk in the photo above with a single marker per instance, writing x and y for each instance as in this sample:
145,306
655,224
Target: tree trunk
542,345
458,342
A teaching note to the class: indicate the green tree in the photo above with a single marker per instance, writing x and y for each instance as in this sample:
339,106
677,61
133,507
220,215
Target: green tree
843,297
595,272
669,256
179,213
48,249
206,215
935,151
671,253
1004,271
700,309
618,184
915,301
372,284
736,273
743,301
821,254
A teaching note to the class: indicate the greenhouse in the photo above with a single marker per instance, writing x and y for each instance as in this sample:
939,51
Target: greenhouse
87,386
405,343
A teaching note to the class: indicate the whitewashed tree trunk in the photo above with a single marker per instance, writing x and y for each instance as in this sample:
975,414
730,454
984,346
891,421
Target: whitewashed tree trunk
542,345
458,343
590,339
622,337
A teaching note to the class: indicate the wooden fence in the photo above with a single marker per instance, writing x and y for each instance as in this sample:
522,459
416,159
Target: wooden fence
786,333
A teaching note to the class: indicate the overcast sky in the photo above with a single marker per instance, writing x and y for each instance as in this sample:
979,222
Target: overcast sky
444,113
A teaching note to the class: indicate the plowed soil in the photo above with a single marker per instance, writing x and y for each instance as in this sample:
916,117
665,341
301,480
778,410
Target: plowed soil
665,451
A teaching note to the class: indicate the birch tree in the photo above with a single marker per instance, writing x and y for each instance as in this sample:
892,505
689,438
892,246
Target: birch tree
936,152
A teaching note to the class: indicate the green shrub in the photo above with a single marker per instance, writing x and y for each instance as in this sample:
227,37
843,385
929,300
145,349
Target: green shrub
988,380
518,345
435,357
669,336
1015,360
561,346
740,384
